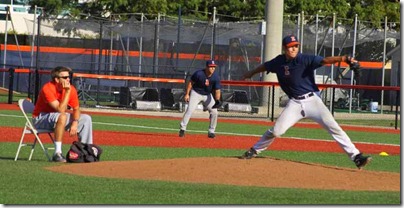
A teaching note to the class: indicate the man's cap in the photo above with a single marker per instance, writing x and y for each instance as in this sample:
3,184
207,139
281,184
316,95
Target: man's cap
290,40
211,63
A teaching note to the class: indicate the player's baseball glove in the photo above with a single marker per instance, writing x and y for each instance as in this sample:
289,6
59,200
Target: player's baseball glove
355,66
217,104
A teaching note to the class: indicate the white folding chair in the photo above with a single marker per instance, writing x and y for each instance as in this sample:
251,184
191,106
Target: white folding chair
27,107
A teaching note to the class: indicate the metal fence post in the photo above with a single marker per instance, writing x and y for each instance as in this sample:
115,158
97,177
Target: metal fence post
332,100
397,104
269,94
37,66
36,85
99,61
273,102
10,85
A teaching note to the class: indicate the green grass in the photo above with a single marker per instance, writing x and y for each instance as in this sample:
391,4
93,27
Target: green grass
370,122
131,124
25,182
28,183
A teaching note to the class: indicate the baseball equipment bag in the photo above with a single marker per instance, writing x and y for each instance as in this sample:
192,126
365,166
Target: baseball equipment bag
80,152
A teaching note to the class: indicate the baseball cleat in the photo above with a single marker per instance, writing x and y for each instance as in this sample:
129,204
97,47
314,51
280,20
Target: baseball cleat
361,161
251,153
211,135
58,157
181,133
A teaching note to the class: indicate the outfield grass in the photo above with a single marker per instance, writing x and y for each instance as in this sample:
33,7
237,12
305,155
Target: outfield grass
25,182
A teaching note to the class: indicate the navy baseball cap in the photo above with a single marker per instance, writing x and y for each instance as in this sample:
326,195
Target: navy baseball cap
211,63
290,40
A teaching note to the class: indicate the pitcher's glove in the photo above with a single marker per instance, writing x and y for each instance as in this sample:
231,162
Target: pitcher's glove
355,66
217,104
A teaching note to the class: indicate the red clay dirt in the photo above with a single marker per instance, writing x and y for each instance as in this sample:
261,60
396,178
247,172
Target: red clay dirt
263,172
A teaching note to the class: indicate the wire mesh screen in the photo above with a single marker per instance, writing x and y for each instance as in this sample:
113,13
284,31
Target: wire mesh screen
161,46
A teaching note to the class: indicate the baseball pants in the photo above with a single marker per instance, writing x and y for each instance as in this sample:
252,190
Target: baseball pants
84,128
313,108
208,101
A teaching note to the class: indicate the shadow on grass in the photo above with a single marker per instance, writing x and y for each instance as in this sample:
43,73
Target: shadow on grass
10,158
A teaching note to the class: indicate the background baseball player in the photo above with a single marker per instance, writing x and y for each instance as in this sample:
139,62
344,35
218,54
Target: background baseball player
295,73
204,86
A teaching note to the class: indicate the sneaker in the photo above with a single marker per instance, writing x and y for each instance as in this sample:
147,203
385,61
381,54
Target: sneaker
361,161
58,157
251,153
211,135
181,133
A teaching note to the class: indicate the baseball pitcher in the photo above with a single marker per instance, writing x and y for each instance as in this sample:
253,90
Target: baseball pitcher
295,73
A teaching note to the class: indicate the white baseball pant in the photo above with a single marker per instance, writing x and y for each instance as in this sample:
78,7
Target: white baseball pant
313,108
208,101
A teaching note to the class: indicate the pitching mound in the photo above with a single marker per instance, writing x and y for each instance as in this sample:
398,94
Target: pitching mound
260,172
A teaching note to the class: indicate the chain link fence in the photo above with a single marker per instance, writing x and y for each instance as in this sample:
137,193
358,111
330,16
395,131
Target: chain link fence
162,46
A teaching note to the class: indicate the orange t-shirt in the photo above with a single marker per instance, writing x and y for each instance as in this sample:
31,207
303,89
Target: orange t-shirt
50,93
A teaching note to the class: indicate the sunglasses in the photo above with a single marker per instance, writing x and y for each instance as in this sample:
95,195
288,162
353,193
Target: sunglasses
65,77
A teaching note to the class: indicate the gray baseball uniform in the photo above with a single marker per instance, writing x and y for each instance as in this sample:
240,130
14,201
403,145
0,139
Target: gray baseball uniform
202,86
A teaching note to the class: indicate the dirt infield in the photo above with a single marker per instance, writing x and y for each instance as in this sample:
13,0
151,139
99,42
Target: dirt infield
259,172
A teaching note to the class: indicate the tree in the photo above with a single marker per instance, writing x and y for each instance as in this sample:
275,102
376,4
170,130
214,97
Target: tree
50,6
147,6
189,8
373,11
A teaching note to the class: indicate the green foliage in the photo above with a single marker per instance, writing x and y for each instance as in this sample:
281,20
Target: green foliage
148,6
234,10
188,8
373,11
50,6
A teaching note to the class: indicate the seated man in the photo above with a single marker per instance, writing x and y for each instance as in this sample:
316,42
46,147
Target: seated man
51,111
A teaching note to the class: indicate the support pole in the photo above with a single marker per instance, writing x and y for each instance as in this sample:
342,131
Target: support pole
37,66
332,54
33,38
156,45
212,46
10,85
397,104
316,37
5,44
384,63
301,32
273,41
353,55
298,26
32,54
140,47
178,38
99,61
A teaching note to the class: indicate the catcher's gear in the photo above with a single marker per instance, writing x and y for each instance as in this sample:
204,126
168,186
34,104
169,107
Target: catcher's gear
355,66
217,104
